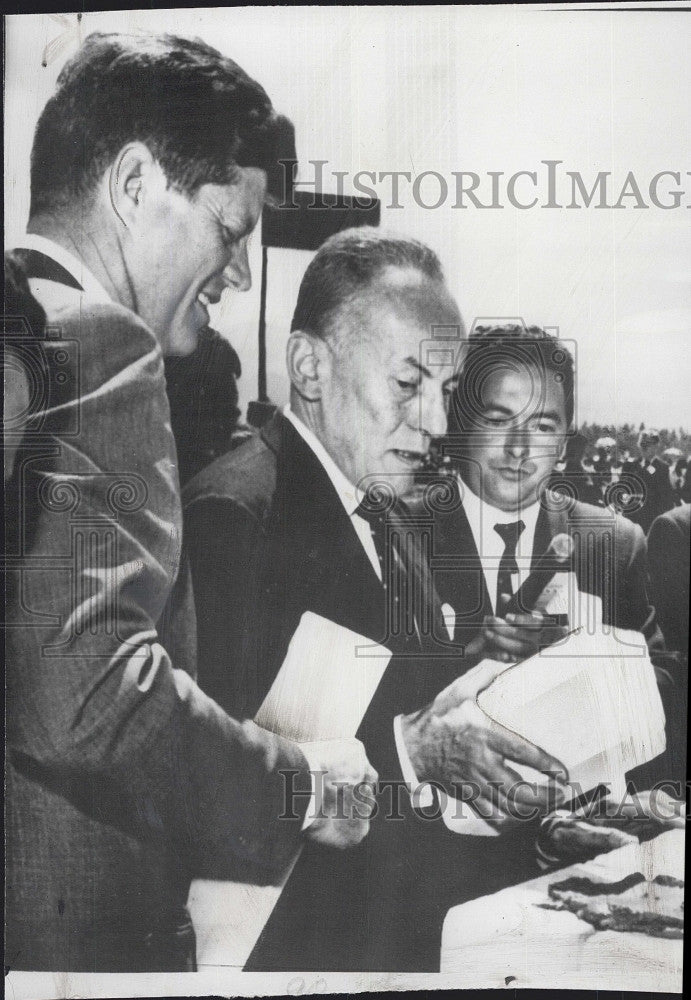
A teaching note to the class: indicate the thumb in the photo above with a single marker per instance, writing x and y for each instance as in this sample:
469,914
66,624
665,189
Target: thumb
468,686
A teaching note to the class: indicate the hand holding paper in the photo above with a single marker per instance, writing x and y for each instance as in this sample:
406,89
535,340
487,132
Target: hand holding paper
452,742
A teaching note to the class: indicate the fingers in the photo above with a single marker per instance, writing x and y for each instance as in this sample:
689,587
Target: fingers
344,760
529,619
503,638
467,687
574,838
515,748
663,807
649,807
521,799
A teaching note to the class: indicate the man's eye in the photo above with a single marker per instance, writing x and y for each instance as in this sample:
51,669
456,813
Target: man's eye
229,237
404,386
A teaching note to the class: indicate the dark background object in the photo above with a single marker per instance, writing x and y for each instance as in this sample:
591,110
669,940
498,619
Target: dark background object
203,396
315,217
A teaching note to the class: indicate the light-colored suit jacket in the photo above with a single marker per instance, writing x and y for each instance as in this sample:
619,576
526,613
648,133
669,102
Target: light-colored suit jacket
123,777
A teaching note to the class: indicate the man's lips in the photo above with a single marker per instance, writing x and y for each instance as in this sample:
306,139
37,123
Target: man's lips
513,475
205,299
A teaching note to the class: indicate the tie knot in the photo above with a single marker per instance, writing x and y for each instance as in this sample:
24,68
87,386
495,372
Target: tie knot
509,534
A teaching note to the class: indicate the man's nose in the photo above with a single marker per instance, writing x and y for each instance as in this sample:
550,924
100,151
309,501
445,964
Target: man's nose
237,273
433,414
517,443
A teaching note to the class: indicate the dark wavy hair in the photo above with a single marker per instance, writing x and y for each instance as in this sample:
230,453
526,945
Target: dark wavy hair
198,112
514,347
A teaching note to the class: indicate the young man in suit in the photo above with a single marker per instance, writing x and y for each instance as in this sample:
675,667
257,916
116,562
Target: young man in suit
647,480
285,524
149,172
508,427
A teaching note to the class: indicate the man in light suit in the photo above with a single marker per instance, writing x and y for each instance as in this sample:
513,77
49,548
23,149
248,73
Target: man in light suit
508,427
284,524
149,172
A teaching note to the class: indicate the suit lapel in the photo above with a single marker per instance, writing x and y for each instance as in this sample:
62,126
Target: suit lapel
551,521
460,577
318,539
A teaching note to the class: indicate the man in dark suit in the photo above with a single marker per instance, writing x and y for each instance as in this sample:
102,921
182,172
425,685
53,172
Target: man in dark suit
286,524
508,427
123,777
669,544
646,480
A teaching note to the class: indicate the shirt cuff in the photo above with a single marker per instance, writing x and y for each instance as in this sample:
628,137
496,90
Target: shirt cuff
424,798
314,765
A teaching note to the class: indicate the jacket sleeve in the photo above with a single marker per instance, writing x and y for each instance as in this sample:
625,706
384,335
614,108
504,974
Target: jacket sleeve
668,549
223,542
634,608
91,690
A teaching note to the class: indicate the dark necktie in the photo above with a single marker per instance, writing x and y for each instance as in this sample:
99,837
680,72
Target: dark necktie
509,534
404,577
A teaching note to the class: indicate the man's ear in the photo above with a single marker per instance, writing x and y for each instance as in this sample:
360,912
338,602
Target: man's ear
131,175
305,363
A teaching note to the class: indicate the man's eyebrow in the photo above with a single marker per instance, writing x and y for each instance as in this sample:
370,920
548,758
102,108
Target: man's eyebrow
553,415
410,360
425,371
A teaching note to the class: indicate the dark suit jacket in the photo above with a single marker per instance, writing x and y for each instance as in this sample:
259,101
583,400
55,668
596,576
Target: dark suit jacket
668,556
268,538
123,777
649,483
609,561
669,542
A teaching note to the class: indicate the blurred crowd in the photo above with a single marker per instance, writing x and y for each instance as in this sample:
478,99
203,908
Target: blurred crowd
641,486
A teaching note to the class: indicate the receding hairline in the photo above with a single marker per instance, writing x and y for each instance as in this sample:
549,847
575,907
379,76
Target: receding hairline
398,288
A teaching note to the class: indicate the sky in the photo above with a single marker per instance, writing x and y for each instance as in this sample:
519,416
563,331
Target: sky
465,89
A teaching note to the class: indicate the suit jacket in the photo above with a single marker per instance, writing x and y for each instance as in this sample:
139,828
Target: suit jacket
669,540
609,560
649,484
123,777
668,555
268,538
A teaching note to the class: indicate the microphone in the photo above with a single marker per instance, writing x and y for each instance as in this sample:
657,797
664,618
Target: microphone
554,559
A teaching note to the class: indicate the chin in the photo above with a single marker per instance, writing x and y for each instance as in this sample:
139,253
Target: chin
182,344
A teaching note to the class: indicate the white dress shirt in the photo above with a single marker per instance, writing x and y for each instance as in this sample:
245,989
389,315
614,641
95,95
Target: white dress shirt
482,518
52,294
349,495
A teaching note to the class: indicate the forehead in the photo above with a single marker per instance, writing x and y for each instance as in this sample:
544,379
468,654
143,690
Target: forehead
396,317
524,390
239,203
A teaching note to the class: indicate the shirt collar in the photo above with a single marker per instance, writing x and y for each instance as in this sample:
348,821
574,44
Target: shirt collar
349,495
79,271
483,516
